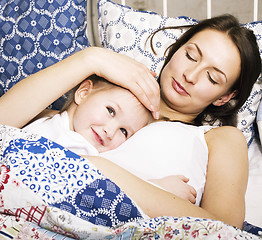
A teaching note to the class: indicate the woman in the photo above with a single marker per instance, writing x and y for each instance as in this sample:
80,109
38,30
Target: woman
214,62
207,76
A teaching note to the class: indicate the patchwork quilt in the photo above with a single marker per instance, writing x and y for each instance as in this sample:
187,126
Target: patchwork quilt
48,192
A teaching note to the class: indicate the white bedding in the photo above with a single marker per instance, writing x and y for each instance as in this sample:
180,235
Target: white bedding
254,188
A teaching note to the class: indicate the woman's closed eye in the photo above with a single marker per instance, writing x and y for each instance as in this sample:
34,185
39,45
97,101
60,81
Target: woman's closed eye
211,79
111,111
190,57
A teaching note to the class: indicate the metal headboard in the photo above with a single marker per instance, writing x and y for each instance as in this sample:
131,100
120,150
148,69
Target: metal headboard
209,8
92,14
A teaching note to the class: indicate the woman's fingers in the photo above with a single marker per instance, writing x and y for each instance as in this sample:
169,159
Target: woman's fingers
130,74
153,73
143,85
148,94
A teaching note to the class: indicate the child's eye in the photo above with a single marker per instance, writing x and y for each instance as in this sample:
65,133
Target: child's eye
111,111
189,57
211,79
124,131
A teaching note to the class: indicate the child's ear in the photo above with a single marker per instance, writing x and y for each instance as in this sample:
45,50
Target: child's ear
84,89
225,98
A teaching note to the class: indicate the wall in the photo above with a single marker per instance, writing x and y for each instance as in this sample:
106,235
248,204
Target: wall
197,9
243,9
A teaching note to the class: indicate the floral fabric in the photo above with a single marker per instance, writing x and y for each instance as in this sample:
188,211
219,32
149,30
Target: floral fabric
48,192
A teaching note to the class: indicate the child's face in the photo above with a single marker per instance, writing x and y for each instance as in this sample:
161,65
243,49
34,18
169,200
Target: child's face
108,117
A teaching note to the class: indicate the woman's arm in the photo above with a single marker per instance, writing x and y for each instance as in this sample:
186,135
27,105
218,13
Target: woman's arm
223,198
153,201
227,175
33,94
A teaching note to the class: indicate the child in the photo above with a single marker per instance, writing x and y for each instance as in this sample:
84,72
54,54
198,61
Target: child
66,127
98,116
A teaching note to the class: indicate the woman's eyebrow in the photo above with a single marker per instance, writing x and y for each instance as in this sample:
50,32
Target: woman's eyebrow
215,68
218,70
198,49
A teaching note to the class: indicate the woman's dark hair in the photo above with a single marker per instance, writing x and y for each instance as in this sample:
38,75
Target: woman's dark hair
245,41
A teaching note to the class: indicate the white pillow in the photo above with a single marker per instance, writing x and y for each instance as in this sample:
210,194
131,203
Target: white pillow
247,114
125,30
259,121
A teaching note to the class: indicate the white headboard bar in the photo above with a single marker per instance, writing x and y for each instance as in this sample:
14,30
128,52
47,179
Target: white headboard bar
255,10
209,8
165,8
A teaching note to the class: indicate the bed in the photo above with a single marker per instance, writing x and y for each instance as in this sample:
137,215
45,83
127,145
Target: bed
49,192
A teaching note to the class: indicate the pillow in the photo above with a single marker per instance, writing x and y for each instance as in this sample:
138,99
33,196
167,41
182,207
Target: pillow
247,114
259,121
36,34
125,30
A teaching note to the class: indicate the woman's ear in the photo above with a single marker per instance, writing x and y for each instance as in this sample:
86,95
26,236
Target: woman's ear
225,98
84,89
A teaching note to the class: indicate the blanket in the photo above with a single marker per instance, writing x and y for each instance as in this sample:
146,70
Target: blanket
48,192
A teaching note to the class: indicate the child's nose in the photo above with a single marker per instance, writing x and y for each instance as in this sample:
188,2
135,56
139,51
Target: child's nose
110,130
108,133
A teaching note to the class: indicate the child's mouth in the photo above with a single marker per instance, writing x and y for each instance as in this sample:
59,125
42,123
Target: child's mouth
97,137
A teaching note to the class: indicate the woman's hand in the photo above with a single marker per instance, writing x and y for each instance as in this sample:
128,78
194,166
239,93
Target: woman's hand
128,73
177,185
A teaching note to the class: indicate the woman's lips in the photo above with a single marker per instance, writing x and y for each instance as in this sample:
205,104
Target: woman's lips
178,88
97,137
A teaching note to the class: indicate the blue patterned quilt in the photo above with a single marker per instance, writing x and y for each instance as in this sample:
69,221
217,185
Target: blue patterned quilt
48,192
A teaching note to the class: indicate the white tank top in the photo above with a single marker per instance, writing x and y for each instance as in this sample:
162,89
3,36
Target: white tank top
165,148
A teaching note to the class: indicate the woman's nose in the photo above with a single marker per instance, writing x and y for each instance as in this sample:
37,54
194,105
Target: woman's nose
191,75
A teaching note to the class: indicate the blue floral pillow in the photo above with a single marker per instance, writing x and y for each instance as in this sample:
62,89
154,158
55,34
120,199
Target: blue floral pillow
247,114
126,30
36,34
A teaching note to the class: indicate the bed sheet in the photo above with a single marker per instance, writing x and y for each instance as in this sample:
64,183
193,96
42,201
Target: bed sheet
48,192
254,187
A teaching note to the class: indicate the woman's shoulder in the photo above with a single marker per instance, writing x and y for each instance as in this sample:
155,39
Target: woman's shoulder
225,135
224,130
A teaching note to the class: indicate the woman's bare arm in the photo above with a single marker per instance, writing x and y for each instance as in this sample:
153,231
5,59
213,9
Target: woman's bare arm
154,201
33,94
227,175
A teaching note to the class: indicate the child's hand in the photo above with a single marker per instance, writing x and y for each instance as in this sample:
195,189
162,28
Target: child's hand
177,184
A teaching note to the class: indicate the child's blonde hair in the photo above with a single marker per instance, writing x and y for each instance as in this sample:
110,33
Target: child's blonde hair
98,82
